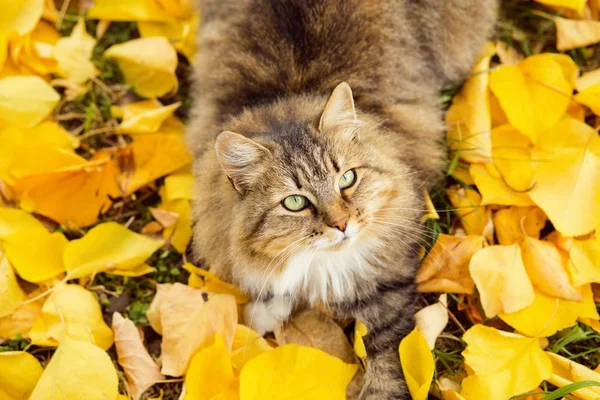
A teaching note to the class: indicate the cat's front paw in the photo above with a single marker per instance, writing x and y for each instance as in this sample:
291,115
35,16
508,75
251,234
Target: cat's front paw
266,316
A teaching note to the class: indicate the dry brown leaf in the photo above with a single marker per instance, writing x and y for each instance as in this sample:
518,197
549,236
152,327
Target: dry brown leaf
189,318
432,320
140,369
571,33
164,217
446,267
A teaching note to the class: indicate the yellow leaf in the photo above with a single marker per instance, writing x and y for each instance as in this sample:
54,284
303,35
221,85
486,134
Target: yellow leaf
132,10
21,15
587,80
545,316
21,319
145,116
180,233
585,261
78,370
417,364
297,371
74,54
446,267
247,344
140,270
19,373
106,247
432,320
74,312
188,319
211,283
36,254
590,98
501,279
140,369
181,32
475,219
11,293
178,8
468,118
512,157
25,100
571,33
12,220
148,65
431,211
567,177
155,155
504,364
178,185
32,53
513,224
210,374
565,372
535,93
494,190
86,187
545,267
360,331
577,5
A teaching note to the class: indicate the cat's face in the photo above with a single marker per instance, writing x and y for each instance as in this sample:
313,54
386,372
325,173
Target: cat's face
312,188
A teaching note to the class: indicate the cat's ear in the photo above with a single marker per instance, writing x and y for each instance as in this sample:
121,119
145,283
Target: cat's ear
339,108
238,156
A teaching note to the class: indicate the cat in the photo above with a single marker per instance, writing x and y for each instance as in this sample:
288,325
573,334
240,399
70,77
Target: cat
316,127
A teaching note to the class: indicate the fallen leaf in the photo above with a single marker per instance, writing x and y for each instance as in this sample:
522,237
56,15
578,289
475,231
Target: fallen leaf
140,369
360,331
571,33
21,320
565,372
25,100
545,267
19,373
108,246
475,219
211,283
145,116
577,5
512,157
74,312
182,33
446,267
567,175
210,374
148,65
164,217
178,234
494,190
468,118
545,316
247,344
78,370
74,53
535,93
514,224
432,320
154,155
431,211
587,80
417,364
585,261
294,370
21,16
501,280
32,53
504,364
132,10
314,329
11,294
13,219
178,8
178,185
36,254
189,319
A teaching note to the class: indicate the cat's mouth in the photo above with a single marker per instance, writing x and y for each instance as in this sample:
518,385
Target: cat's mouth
340,240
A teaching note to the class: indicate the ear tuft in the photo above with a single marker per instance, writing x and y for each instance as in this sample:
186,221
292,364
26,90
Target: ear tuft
339,108
238,157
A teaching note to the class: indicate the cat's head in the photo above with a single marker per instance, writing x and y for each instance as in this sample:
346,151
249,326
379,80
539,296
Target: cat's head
321,182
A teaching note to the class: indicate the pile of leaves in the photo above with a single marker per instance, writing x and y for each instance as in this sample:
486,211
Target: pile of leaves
99,301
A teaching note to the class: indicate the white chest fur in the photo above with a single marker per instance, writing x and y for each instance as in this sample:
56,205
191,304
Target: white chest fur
322,275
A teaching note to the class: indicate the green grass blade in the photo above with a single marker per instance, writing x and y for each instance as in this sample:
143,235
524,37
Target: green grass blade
565,390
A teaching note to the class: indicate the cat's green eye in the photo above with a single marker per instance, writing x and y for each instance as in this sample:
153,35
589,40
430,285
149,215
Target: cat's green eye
348,179
295,203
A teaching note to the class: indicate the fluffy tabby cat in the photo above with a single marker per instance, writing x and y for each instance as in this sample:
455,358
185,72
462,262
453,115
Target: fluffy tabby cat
308,191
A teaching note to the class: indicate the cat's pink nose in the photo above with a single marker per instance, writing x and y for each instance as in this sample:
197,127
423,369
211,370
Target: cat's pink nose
340,224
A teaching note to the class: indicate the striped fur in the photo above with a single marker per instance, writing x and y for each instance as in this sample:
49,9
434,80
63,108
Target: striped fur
265,72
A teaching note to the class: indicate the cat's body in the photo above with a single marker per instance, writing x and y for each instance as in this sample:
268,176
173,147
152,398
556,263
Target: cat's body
266,70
